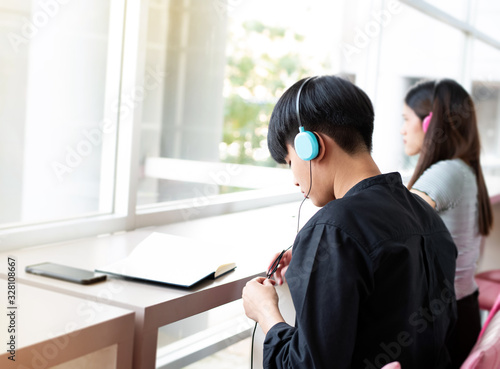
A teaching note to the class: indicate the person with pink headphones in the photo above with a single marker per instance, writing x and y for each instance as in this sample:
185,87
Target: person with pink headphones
440,125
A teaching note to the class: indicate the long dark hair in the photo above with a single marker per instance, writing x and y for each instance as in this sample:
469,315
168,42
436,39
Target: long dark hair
419,98
453,134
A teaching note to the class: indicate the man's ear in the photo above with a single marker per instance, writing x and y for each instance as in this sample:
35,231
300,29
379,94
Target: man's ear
322,147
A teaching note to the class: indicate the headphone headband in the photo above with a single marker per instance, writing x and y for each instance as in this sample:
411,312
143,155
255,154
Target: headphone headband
306,144
298,99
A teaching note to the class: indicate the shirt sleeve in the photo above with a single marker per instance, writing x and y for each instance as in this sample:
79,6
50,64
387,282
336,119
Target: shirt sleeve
443,182
329,276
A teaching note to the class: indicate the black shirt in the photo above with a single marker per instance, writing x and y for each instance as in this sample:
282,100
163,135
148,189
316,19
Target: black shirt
371,279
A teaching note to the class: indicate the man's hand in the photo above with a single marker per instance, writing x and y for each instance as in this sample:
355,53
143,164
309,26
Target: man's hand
279,275
260,302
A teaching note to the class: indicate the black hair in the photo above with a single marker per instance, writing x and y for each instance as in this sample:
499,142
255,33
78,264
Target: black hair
328,104
419,98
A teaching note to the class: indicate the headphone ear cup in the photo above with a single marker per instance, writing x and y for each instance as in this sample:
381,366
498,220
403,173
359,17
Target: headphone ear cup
306,145
426,122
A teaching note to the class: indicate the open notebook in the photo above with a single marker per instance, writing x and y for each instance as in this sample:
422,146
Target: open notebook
170,259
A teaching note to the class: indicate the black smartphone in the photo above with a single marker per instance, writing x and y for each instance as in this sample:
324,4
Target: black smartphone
65,273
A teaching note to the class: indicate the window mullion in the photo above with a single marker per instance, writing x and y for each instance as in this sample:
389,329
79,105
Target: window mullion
442,16
130,109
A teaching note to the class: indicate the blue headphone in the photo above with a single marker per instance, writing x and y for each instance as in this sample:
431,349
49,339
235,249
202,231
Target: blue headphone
306,143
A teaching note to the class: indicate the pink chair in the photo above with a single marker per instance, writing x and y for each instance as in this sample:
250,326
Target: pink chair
394,365
493,311
489,288
486,352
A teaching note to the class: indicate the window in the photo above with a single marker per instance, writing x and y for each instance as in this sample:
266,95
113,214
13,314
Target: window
486,95
57,87
222,70
459,9
486,15
406,57
119,114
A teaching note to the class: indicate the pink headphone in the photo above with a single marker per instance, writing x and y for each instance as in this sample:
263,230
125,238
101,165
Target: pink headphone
426,122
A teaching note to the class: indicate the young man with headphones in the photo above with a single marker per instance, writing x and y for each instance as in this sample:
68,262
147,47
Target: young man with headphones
371,273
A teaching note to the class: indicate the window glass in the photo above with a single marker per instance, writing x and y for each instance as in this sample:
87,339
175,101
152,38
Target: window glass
456,8
213,71
414,46
220,68
486,95
52,110
487,13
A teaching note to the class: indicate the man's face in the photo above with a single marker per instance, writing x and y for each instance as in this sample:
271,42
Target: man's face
301,170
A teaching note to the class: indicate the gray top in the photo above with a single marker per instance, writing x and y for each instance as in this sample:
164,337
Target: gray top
452,185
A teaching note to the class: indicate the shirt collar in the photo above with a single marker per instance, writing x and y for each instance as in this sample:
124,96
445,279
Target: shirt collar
389,179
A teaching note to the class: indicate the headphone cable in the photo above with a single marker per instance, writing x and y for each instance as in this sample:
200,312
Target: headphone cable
274,266
306,196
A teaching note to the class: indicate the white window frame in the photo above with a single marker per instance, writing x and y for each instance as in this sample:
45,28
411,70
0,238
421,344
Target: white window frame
128,36
126,18
127,40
